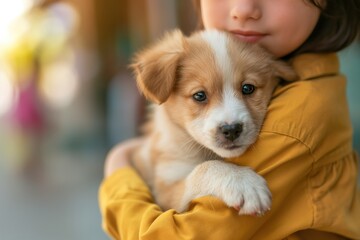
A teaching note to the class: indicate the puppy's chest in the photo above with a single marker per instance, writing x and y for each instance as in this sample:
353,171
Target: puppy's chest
177,166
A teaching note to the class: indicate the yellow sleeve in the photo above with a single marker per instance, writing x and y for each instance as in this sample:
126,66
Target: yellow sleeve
129,212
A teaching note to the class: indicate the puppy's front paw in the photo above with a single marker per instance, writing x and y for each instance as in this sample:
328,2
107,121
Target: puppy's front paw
248,193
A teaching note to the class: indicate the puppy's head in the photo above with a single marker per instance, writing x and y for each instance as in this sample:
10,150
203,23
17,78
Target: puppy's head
213,86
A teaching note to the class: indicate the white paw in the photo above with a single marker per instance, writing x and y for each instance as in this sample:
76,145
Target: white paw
247,192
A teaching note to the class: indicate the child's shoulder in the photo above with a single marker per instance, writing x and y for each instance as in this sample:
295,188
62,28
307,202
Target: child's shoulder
313,108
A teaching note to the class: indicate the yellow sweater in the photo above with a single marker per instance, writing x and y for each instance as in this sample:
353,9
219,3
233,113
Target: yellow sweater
305,153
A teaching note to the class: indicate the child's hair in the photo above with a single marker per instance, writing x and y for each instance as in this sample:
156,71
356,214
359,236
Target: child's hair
337,28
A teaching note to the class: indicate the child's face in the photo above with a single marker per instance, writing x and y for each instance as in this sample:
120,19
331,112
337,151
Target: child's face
280,26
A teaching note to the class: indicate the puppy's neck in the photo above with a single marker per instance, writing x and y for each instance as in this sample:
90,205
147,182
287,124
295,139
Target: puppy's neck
176,139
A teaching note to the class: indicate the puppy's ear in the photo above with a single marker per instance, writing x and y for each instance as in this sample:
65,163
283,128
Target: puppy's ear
155,68
284,71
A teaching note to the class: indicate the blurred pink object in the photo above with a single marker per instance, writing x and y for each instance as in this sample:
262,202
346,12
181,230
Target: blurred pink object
27,112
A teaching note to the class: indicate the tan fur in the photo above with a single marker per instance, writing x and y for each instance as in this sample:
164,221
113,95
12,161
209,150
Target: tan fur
179,160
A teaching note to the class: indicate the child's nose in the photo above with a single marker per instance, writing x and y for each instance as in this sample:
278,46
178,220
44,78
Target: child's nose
245,9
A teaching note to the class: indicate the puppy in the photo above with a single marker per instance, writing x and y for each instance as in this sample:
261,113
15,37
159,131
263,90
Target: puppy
211,93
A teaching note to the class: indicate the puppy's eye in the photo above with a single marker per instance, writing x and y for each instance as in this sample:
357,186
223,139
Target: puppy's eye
247,89
200,96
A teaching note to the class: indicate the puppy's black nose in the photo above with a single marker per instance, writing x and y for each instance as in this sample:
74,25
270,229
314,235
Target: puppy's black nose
231,131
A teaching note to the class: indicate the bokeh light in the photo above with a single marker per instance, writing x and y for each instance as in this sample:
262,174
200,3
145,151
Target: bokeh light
60,84
9,12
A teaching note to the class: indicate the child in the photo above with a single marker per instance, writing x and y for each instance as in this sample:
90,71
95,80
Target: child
304,150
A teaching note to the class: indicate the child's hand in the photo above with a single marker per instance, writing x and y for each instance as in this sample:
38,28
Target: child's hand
120,156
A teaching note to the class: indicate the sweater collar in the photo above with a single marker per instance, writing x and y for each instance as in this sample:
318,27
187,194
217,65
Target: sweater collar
310,66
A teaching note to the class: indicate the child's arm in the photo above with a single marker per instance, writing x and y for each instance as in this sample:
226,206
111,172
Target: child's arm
129,212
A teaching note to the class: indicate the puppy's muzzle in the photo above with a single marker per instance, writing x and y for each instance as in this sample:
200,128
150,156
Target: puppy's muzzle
231,131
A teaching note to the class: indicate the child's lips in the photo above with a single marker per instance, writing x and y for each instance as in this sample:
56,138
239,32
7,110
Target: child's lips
248,36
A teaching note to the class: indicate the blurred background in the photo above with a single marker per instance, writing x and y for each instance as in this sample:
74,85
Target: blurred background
67,96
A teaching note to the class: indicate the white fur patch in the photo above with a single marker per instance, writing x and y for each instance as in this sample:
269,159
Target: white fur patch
218,43
173,171
231,109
